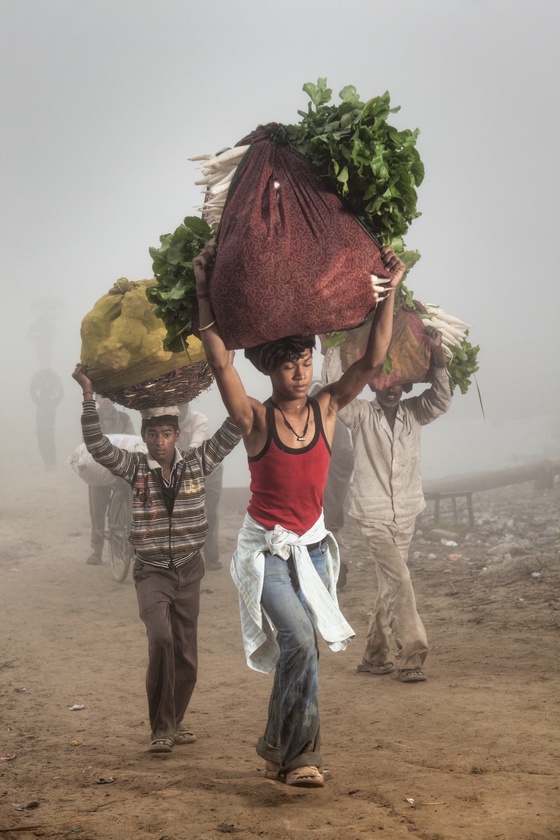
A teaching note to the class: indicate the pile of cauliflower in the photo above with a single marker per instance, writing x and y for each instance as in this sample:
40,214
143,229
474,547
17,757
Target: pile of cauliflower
122,338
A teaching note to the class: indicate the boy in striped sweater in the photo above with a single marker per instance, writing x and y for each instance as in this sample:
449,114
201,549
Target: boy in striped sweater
168,531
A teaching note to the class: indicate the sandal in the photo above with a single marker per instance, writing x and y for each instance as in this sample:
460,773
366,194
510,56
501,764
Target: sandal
161,745
184,735
372,668
411,675
305,777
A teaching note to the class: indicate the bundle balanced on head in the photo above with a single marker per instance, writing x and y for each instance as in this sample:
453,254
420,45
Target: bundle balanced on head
168,531
386,499
286,563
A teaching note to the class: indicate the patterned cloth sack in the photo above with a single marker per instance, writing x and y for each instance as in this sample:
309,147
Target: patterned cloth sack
291,259
409,351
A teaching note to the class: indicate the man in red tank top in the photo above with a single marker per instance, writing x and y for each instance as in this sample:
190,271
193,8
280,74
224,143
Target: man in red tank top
286,562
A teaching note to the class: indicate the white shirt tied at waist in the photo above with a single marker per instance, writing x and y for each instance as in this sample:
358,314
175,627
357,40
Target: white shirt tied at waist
247,571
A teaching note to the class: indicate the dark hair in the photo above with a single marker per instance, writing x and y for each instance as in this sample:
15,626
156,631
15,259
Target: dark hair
161,420
269,356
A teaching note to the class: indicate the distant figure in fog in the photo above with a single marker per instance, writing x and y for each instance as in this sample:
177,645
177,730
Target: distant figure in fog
46,392
194,428
112,422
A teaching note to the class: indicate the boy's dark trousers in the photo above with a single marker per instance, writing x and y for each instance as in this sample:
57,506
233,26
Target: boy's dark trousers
168,602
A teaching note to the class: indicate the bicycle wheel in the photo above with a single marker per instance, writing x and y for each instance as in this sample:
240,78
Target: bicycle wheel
118,520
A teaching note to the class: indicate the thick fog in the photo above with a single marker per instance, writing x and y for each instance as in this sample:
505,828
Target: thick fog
104,102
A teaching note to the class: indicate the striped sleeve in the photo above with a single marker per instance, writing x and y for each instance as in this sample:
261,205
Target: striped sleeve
212,452
117,461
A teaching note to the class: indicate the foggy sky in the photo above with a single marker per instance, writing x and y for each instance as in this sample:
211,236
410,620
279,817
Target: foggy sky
104,101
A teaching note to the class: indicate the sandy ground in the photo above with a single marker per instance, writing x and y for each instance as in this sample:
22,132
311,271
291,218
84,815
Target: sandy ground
472,753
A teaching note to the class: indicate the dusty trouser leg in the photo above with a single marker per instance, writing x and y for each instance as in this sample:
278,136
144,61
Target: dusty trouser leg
395,604
292,735
99,497
46,437
184,614
168,602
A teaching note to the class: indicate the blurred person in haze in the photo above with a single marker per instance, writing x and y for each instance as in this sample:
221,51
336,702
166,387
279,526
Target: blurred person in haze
167,532
112,422
286,562
46,392
193,429
386,499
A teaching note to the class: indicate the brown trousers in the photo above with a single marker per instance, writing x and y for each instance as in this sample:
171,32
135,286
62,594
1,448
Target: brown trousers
168,602
394,611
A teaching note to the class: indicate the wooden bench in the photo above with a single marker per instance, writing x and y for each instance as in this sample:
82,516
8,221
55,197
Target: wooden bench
437,498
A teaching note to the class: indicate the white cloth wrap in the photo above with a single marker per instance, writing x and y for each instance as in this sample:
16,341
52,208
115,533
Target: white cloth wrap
247,571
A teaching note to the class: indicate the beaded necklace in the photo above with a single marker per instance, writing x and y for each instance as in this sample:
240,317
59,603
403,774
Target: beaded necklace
291,428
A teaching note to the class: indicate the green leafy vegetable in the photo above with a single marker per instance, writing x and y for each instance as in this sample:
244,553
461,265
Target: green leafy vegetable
372,166
174,296
463,365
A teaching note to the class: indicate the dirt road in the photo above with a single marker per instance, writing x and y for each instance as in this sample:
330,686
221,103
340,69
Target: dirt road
472,753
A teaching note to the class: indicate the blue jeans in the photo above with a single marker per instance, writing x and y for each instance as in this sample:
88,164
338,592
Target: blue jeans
292,736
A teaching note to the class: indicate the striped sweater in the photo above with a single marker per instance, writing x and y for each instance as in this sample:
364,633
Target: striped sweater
157,538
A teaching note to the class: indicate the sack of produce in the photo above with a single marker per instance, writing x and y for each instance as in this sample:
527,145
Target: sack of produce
408,358
93,473
122,345
409,351
291,259
298,211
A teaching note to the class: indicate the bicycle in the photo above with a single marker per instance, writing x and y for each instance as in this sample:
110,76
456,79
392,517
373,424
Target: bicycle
119,516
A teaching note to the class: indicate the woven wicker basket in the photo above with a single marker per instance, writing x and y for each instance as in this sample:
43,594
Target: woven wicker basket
173,388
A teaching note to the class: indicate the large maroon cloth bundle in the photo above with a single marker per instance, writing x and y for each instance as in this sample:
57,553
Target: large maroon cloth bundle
291,259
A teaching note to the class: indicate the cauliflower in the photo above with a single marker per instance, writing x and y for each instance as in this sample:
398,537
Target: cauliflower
112,356
128,332
152,345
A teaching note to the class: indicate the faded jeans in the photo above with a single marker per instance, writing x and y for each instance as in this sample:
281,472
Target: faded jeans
292,737
394,611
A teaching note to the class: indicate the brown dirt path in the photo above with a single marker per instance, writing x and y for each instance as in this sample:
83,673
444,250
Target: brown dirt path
476,746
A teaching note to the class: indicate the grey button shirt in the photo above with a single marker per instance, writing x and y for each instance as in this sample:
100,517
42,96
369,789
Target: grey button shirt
387,475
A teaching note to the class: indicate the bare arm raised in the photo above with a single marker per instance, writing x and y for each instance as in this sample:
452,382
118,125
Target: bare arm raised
356,377
249,414
243,410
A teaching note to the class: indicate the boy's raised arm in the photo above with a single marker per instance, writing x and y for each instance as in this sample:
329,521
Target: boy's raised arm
81,377
220,359
357,376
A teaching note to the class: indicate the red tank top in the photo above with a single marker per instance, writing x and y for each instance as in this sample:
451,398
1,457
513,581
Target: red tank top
287,485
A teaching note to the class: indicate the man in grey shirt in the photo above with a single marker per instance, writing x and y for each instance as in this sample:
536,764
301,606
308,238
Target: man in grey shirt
387,497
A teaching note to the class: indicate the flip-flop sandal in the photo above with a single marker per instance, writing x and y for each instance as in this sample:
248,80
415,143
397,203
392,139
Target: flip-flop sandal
161,745
184,735
410,675
378,670
308,776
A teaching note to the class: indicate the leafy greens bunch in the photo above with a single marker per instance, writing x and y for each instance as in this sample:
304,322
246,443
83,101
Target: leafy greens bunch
372,166
174,296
